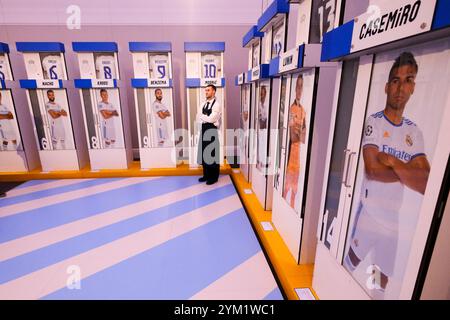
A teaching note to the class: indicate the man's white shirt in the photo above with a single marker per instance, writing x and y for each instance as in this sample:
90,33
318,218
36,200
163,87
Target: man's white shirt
215,115
405,142
159,67
52,66
106,67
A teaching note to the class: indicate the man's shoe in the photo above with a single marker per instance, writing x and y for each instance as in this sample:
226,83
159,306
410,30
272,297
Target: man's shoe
211,182
202,179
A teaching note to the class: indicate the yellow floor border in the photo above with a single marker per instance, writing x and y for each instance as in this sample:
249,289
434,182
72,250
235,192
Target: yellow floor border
133,171
290,274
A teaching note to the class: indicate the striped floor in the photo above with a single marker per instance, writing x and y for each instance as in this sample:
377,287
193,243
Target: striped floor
130,238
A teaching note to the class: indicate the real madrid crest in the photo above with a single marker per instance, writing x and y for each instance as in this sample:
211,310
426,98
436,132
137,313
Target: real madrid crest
409,140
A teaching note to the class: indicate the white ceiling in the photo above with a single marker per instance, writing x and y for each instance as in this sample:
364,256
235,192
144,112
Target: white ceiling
133,12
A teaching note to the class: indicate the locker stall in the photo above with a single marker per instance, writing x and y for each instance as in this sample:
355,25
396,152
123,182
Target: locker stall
388,151
48,104
204,66
154,103
13,147
105,117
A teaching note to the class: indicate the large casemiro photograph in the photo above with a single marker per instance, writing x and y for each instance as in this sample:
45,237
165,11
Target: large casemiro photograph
408,95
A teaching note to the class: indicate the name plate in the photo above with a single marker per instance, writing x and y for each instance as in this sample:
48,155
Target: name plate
256,73
216,81
288,60
158,83
387,21
47,84
103,83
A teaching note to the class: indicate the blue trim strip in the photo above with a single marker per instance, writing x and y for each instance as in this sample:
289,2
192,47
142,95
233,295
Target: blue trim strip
4,47
139,83
253,33
277,7
236,81
204,46
264,71
301,56
2,84
337,43
418,155
192,82
274,66
371,145
40,47
441,15
94,46
150,46
32,84
395,125
249,76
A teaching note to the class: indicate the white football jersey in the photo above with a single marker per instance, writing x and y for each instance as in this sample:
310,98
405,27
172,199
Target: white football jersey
52,66
109,107
106,67
159,66
405,142
278,40
5,124
4,72
211,66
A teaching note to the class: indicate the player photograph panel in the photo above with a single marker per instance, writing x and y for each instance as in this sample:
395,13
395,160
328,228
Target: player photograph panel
159,65
109,118
262,123
408,95
322,19
162,117
256,54
9,128
245,119
58,119
4,67
52,65
211,65
299,126
105,65
278,165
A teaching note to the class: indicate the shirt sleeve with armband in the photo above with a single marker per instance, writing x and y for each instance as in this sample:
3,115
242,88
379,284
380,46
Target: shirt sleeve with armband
372,133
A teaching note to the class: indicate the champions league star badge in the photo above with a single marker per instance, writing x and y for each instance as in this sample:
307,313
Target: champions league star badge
369,130
409,140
